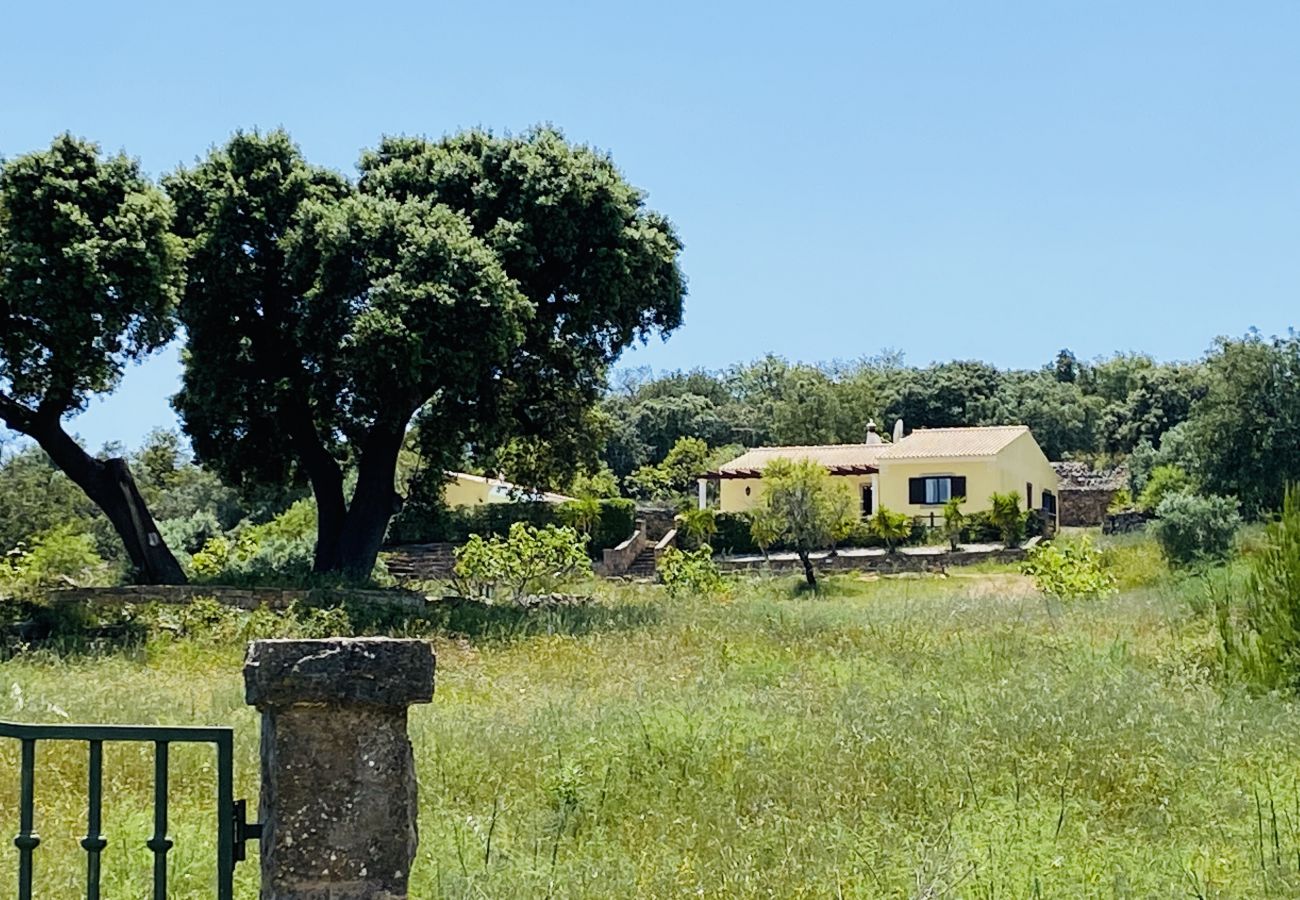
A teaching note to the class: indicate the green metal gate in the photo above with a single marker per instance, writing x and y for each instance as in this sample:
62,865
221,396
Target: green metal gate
231,825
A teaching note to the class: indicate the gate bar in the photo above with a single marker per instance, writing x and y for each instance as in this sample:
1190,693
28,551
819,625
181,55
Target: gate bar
94,842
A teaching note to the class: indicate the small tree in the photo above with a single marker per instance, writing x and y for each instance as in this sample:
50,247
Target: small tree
891,527
698,525
800,500
1007,517
954,520
529,560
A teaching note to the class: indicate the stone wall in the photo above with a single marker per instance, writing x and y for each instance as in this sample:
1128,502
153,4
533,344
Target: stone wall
883,563
243,598
1083,507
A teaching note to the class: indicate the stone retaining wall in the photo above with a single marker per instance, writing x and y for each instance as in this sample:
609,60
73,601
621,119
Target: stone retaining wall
243,598
884,563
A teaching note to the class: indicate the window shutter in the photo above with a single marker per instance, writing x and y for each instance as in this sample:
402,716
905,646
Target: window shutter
959,485
916,491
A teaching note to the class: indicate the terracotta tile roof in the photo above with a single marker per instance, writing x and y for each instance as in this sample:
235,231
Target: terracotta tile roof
937,443
836,457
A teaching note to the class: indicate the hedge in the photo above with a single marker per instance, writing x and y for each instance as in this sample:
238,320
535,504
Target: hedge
455,525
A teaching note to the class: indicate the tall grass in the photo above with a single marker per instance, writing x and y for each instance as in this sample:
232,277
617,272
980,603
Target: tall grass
919,737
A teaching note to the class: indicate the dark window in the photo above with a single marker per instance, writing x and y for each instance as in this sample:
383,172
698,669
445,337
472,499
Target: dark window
1029,495
935,490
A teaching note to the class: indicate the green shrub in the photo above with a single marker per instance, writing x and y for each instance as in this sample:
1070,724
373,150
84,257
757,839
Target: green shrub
527,561
1262,645
735,533
892,528
690,572
1069,570
979,528
1120,501
697,526
60,557
1193,528
615,523
1007,517
1163,482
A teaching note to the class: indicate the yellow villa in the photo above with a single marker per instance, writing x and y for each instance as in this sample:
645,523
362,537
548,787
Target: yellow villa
916,475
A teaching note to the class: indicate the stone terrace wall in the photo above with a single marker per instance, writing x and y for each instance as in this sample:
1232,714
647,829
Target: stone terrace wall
243,598
883,563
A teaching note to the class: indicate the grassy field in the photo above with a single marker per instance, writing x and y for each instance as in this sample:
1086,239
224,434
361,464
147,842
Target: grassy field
912,737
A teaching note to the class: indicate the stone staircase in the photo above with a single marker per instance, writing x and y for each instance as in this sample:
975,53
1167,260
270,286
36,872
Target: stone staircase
644,564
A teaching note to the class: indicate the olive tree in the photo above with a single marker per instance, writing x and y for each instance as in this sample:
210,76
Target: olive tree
802,505
89,279
481,285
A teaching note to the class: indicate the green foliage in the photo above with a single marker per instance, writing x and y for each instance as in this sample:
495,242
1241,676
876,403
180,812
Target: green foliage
434,522
805,507
600,484
485,282
1122,500
527,561
891,527
278,552
1196,528
674,477
1245,429
582,515
1006,516
954,521
690,572
1135,561
697,526
89,275
61,557
1260,642
1069,570
1163,482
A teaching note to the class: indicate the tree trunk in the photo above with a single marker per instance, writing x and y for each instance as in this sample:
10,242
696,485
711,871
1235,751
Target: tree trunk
374,503
109,484
326,477
809,572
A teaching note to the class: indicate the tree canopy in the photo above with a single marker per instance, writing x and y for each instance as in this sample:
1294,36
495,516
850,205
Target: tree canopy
89,277
482,283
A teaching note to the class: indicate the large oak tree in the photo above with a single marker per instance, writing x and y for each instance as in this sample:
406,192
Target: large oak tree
89,279
481,283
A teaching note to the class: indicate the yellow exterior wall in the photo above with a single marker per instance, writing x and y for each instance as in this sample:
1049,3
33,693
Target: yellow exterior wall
983,477
1018,463
732,496
1022,461
465,492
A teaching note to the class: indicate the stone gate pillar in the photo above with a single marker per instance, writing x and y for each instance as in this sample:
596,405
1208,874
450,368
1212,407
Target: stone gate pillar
338,800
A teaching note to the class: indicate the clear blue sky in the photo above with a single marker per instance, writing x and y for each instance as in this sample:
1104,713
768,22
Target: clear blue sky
991,180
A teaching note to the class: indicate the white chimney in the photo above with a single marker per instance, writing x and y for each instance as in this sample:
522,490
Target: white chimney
873,437
898,431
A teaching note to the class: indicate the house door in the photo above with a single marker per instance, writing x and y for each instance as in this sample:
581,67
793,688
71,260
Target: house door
866,501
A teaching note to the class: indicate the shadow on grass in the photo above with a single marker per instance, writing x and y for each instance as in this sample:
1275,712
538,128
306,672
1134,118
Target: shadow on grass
475,619
66,631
